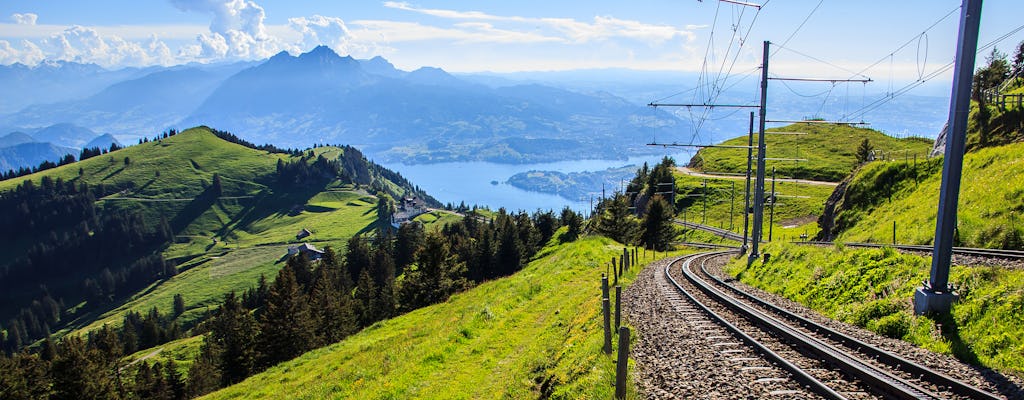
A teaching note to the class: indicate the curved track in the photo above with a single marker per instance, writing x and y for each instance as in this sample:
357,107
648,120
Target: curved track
826,362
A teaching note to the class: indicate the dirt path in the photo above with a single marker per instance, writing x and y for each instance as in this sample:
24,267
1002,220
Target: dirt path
688,171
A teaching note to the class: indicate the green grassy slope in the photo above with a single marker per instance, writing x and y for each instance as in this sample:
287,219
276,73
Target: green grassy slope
873,289
829,151
186,163
989,213
534,334
222,246
796,211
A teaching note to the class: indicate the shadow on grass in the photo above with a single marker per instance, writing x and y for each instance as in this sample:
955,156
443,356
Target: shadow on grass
275,201
963,352
193,210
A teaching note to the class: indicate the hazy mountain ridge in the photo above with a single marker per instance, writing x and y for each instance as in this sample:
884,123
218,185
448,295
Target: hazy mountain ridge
19,149
426,115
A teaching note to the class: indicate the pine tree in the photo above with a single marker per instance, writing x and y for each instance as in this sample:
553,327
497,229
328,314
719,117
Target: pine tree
366,291
615,220
864,151
179,305
357,256
574,222
234,333
204,375
79,373
658,231
286,329
175,384
383,273
300,266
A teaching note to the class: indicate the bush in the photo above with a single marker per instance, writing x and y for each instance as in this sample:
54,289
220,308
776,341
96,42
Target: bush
895,326
871,311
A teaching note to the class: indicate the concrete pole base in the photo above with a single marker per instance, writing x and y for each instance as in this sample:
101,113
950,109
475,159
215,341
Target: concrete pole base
927,301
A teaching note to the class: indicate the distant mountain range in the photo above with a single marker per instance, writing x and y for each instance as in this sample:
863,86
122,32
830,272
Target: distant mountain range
425,115
20,149
420,116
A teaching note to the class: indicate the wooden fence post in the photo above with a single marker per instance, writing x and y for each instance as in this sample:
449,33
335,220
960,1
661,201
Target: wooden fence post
622,365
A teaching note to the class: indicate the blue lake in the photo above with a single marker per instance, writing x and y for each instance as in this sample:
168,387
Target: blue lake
472,182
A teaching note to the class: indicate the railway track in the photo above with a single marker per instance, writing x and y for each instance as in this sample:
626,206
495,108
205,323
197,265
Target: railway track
967,251
723,233
821,360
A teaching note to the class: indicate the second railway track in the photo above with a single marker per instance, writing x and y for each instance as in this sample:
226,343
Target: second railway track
823,361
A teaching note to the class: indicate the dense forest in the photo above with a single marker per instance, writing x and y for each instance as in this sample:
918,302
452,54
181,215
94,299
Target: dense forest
308,304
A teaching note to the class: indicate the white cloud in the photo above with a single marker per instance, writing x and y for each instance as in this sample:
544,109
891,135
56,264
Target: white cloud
237,30
24,19
569,30
87,45
320,30
29,54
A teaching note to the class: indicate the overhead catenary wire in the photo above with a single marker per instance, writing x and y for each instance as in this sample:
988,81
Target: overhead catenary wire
860,113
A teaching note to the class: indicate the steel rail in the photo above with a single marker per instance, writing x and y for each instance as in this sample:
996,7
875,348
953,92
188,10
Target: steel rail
802,376
874,377
880,355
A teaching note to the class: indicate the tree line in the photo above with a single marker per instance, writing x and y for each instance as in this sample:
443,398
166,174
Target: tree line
643,214
75,252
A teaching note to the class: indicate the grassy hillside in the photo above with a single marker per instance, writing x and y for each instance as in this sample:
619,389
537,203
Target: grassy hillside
796,210
989,214
534,334
221,244
178,167
874,288
829,150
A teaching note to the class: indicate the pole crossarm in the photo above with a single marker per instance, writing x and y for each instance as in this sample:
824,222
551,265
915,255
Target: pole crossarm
742,3
784,121
821,80
701,105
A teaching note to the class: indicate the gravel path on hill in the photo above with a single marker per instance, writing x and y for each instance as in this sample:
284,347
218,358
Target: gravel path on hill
675,359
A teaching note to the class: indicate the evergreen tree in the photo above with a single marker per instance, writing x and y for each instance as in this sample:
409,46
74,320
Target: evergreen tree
864,151
331,308
204,375
366,292
574,222
546,224
301,270
616,221
286,329
357,256
408,240
79,373
24,376
234,332
179,305
658,231
383,274
144,381
175,383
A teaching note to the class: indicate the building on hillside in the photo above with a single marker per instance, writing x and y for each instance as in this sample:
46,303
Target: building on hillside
311,252
303,234
409,208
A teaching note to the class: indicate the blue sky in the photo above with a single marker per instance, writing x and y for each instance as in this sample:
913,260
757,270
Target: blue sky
527,35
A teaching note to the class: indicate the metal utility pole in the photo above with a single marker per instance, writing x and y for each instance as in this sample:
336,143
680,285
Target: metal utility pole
771,216
937,295
704,197
759,184
746,200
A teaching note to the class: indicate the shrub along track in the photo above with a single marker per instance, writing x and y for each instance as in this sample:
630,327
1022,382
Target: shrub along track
680,352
